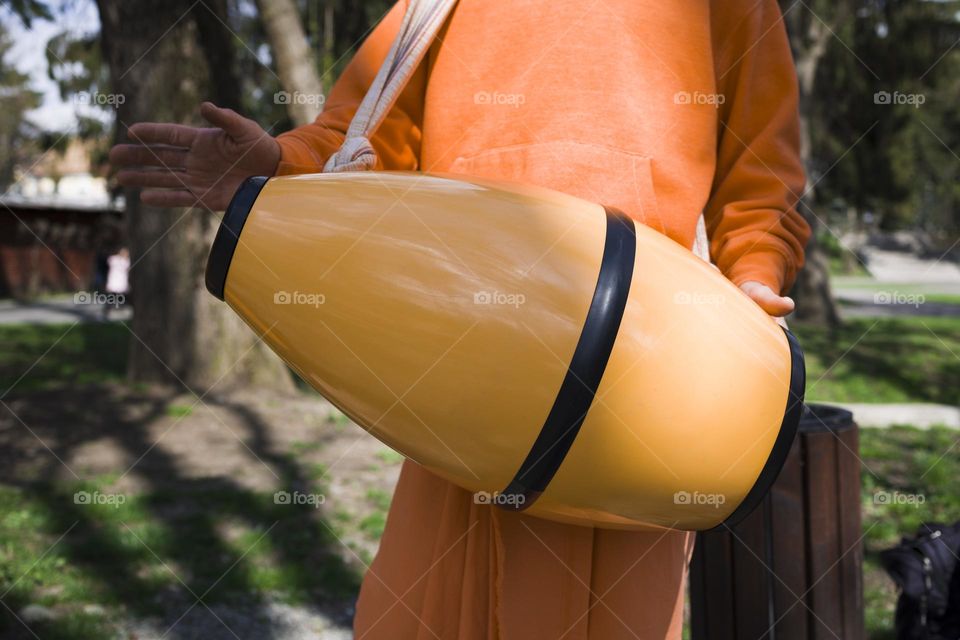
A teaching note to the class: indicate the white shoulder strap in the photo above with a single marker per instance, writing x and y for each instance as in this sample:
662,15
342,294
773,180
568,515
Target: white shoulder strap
701,244
421,22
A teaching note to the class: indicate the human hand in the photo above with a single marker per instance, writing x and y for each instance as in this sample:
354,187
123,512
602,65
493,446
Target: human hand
776,305
182,166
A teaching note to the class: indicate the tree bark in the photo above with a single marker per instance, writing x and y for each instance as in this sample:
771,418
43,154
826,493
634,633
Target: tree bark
809,37
327,57
293,59
216,40
180,334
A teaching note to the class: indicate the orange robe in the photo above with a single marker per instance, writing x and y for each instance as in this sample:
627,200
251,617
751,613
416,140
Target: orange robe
661,109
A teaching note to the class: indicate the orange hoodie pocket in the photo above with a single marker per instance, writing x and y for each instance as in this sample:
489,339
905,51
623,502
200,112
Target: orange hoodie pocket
605,175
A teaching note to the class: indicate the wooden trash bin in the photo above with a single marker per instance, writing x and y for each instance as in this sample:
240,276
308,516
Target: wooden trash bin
792,569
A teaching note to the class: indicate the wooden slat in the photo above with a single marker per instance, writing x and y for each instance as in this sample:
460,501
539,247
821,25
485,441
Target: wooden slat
718,601
825,591
751,579
698,584
789,548
851,566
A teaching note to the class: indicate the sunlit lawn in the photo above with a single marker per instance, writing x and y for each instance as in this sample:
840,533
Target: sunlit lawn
909,359
912,462
153,550
37,356
124,558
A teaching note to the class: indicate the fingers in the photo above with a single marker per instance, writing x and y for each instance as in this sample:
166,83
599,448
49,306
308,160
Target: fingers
180,135
227,119
777,306
769,301
169,198
156,179
175,135
148,156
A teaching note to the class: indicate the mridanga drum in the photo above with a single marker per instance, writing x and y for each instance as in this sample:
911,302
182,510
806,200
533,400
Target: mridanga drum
542,351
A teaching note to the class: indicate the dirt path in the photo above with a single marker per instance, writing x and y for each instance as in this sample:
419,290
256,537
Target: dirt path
150,442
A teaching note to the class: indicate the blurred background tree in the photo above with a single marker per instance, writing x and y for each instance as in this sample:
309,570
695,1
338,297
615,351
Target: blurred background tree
16,98
257,49
296,67
180,333
872,162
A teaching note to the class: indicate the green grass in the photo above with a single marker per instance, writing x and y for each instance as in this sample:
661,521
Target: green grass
840,261
943,298
178,410
373,524
908,359
379,498
129,558
845,266
317,471
302,448
236,545
390,457
922,467
867,283
57,354
921,291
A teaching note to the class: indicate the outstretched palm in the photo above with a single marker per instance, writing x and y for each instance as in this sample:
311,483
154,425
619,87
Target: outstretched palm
182,166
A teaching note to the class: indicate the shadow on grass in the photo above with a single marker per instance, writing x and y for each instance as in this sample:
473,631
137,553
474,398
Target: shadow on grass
81,353
225,542
890,359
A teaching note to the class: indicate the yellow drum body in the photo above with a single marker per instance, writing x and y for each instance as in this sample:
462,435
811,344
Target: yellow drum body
529,346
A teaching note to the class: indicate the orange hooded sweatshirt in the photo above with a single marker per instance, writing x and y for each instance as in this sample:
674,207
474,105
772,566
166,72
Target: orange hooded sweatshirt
661,109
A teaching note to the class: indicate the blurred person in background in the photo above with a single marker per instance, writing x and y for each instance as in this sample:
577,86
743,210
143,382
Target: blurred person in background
117,282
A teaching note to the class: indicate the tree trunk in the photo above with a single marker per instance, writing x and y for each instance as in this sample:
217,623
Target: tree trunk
327,57
293,59
809,37
216,40
181,334
811,291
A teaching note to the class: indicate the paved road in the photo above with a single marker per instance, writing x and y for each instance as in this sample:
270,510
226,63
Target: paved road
877,301
900,284
915,414
898,266
57,310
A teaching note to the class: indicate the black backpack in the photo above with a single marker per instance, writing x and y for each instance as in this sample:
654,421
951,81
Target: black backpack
927,571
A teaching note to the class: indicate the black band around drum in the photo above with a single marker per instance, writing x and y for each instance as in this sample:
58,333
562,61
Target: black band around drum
225,243
781,446
586,368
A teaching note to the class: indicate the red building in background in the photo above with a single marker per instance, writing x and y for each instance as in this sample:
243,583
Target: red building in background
56,221
54,245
